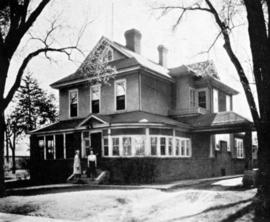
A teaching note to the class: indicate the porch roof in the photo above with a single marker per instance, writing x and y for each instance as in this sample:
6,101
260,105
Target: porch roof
229,121
135,117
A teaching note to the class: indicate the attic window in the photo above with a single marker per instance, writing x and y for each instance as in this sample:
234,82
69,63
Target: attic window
108,55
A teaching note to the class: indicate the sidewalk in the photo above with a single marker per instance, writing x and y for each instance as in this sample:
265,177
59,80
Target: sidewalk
21,218
65,186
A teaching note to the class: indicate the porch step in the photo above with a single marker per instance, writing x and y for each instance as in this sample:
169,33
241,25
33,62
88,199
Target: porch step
102,178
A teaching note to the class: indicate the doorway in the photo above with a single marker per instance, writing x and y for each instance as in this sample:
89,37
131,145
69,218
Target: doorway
96,145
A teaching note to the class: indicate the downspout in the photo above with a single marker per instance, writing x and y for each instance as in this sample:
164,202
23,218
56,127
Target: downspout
140,92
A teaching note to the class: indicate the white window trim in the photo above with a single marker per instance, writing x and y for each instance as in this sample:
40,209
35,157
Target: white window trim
115,101
99,88
215,90
69,92
148,154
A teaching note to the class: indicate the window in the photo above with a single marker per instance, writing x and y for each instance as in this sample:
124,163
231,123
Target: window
126,146
106,147
239,148
222,141
202,99
73,103
185,147
139,145
95,98
120,94
115,151
192,97
135,146
177,147
41,147
108,55
153,141
215,101
228,103
163,146
49,148
170,146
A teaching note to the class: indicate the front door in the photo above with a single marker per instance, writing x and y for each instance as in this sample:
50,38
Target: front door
96,145
223,149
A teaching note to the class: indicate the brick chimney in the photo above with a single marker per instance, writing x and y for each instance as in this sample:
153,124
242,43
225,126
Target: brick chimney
133,40
162,54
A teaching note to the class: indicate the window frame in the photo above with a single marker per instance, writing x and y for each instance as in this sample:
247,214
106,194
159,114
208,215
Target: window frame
115,94
91,98
69,102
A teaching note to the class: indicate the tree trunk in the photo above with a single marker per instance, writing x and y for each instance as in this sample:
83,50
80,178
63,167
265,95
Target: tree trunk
263,194
7,149
2,144
13,148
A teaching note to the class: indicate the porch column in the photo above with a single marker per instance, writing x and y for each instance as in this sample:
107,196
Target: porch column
45,145
64,145
110,142
211,146
248,148
82,146
147,143
54,147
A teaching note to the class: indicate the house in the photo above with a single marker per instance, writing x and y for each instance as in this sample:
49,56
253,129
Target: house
149,124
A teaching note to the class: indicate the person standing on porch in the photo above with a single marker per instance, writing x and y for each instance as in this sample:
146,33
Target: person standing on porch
92,164
77,165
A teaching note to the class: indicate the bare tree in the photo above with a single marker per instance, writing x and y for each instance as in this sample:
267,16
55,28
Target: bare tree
257,13
16,19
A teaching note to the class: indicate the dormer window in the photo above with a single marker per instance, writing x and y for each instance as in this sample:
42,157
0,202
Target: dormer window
73,103
95,98
120,94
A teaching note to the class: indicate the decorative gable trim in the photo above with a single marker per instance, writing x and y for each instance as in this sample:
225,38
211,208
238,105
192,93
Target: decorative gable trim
94,117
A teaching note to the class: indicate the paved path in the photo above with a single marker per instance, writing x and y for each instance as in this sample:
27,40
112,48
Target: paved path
21,218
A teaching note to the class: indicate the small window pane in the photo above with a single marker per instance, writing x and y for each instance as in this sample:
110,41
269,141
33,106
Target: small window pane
153,145
177,147
170,147
182,148
106,147
115,147
162,146
126,146
139,145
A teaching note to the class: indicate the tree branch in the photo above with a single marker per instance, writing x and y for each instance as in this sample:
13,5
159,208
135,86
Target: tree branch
26,61
15,34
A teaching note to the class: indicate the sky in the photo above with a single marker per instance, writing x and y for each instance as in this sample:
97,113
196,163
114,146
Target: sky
111,18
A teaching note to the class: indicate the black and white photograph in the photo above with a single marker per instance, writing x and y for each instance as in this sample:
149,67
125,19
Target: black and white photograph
135,110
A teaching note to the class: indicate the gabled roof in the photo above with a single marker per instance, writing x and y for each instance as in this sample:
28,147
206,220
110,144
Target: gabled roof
216,120
132,59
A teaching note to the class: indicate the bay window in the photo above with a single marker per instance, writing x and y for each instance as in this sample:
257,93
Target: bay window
126,146
115,148
154,143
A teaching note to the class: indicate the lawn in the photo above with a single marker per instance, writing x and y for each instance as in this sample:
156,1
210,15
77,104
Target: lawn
206,203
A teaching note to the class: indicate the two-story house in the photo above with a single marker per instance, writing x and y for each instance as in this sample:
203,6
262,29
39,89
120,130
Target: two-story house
150,123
